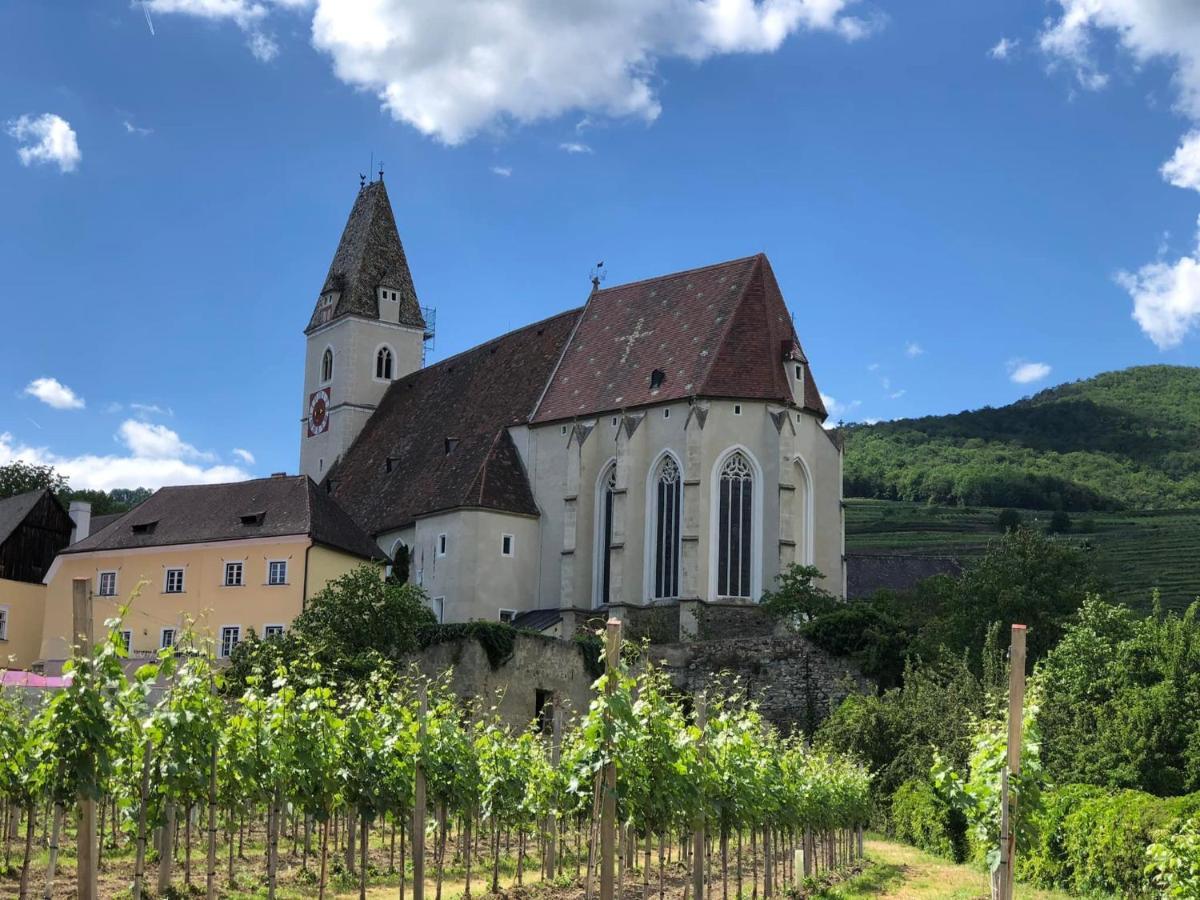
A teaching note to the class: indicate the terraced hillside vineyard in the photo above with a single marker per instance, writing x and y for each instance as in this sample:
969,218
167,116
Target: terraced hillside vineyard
1125,440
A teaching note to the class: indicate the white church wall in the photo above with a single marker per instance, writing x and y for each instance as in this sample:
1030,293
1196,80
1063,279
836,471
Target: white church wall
459,559
797,511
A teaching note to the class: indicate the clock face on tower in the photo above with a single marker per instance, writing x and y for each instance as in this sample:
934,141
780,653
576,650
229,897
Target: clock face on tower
318,412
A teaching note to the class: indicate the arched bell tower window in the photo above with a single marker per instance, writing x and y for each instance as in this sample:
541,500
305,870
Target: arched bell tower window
327,365
668,497
735,526
383,364
605,502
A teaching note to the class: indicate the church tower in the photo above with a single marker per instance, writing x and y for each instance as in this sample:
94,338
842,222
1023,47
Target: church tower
366,331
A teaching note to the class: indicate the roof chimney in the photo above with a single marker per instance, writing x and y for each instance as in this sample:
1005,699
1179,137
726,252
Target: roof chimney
279,474
80,512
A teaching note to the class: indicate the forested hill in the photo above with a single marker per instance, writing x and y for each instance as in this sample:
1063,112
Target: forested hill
1121,440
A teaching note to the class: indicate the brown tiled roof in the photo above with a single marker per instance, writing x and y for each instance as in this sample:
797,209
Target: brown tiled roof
370,256
439,439
867,573
191,514
719,331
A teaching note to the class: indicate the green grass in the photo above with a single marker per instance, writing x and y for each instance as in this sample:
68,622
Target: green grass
1135,551
899,872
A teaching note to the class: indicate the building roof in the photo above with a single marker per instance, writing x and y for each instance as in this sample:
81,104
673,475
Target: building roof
536,619
99,523
867,573
439,439
369,256
718,331
13,510
244,510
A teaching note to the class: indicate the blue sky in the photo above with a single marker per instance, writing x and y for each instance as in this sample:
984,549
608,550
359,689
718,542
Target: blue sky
943,215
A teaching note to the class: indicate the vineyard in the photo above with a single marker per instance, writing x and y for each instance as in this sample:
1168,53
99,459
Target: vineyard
166,784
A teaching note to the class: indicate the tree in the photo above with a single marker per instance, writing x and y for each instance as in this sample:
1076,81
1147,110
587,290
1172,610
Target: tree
1060,522
21,477
1008,520
797,597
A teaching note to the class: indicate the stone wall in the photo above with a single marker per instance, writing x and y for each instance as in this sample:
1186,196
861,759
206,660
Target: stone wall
537,664
794,682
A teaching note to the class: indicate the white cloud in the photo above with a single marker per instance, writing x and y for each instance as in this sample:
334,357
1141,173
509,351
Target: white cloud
46,139
896,395
54,393
147,464
244,455
453,69
1004,48
838,410
1166,297
1147,29
502,171
1022,371
575,147
873,367
130,128
1183,169
150,441
145,410
913,349
262,47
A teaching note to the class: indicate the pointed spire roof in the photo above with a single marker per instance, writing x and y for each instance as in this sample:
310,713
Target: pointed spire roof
369,256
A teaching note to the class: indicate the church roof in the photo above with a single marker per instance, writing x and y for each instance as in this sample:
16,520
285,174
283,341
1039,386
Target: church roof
439,439
718,331
242,510
369,256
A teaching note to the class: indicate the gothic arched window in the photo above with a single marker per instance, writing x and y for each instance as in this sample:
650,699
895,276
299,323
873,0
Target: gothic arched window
383,364
605,498
327,364
735,526
668,497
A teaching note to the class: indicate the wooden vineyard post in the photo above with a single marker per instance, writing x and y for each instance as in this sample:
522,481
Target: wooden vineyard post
608,805
698,826
418,816
1008,795
551,861
85,847
210,877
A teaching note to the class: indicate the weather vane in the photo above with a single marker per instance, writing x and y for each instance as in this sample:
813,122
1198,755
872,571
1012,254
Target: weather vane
599,273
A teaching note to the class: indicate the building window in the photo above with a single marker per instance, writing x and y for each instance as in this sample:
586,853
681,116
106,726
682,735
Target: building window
231,636
107,584
233,574
735,511
441,545
272,631
438,605
506,545
667,413
799,372
398,568
127,640
614,422
604,533
737,409
383,364
327,365
668,496
277,571
3,623
174,582
507,616
562,429
166,638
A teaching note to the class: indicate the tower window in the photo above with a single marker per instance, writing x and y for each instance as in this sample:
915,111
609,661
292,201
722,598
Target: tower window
657,377
799,372
327,364
383,364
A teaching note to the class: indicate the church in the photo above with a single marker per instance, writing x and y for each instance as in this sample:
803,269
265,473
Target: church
661,444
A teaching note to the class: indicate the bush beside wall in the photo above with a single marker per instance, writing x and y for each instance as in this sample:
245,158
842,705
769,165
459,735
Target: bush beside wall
925,820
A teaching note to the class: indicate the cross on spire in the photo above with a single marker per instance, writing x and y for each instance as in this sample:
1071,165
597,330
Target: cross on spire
629,339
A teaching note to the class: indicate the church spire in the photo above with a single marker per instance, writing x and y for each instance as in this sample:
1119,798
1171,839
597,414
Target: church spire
369,257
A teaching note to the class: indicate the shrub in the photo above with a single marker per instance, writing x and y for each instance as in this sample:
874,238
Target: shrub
1090,841
923,819
1060,522
1008,520
1175,861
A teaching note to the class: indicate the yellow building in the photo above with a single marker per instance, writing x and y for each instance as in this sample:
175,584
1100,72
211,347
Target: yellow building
231,557
33,529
